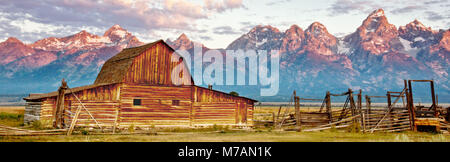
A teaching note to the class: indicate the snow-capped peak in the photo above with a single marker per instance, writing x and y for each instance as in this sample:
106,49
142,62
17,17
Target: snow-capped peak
117,26
377,13
317,28
116,32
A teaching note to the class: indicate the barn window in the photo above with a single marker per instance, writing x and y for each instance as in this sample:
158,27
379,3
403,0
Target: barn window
176,102
137,102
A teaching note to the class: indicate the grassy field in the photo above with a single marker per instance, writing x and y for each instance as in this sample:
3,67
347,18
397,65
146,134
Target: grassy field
240,136
13,116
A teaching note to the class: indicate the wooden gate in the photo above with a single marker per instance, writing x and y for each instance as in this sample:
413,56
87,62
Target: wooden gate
380,120
313,119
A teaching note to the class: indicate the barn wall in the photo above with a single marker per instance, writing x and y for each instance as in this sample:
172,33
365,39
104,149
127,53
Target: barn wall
102,102
97,100
101,93
214,113
157,107
114,104
212,107
47,109
32,111
105,113
154,66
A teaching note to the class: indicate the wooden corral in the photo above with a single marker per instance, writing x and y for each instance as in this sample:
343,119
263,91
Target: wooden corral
394,117
135,88
433,118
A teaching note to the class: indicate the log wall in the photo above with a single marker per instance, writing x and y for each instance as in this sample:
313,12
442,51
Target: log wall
160,105
156,107
47,110
93,98
215,113
206,99
100,93
32,112
104,112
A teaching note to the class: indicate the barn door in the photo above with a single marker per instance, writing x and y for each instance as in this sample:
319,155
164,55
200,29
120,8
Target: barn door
241,113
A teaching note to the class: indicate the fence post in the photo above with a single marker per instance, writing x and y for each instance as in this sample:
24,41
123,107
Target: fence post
363,122
59,112
297,110
328,104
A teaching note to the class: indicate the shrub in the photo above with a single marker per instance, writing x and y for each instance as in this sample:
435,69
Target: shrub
234,93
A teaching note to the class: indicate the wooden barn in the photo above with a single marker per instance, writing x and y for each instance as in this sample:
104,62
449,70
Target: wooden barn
134,87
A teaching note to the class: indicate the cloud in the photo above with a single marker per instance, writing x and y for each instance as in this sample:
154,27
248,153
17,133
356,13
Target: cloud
224,30
206,38
246,26
347,6
276,2
434,16
407,9
223,5
136,15
434,2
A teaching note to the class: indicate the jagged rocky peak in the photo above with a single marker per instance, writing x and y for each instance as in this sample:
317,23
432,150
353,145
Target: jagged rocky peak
13,40
377,22
13,49
260,37
444,45
292,40
319,41
316,29
375,35
183,38
415,31
377,13
115,30
82,36
261,32
265,28
416,24
182,42
116,33
294,31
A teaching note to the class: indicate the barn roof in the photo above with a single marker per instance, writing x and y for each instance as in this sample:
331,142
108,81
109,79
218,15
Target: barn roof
68,91
114,70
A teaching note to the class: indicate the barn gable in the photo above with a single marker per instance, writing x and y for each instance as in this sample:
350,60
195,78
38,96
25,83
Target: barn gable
148,64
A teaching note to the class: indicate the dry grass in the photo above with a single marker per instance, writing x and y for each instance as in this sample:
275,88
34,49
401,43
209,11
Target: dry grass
220,134
240,136
12,109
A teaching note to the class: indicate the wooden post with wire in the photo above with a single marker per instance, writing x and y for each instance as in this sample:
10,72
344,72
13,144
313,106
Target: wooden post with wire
297,109
59,111
360,100
328,105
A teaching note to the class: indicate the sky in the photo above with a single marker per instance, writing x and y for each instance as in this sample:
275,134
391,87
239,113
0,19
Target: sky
215,23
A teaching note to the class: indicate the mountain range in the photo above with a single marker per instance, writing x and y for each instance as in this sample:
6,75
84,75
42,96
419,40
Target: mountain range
375,58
